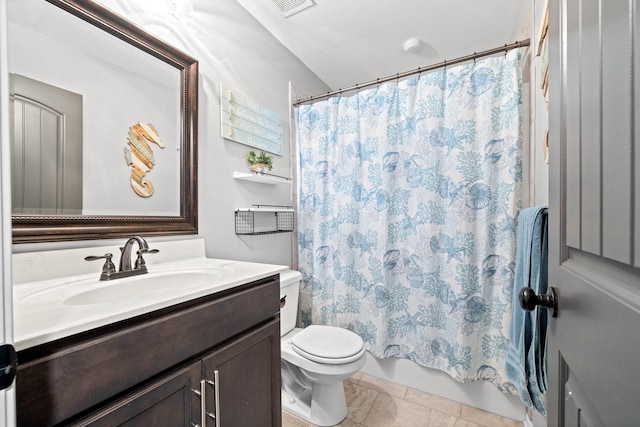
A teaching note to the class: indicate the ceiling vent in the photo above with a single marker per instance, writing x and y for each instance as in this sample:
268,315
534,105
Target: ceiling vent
290,7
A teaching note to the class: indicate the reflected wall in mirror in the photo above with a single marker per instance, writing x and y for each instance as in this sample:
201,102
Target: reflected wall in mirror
120,75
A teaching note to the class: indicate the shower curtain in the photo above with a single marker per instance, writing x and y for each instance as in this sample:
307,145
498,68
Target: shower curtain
408,197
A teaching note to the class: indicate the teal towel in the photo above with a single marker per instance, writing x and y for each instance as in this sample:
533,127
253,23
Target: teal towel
526,358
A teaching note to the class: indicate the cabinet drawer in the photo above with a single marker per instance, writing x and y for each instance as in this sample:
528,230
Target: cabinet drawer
59,380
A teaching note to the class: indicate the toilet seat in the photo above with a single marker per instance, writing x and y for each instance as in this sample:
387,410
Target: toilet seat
328,344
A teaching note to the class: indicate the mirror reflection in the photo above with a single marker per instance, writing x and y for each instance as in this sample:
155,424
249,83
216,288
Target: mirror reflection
102,119
118,85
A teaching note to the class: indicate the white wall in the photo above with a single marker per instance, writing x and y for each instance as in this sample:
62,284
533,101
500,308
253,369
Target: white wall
539,118
7,397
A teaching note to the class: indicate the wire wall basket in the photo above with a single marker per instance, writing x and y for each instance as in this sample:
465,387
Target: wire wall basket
264,220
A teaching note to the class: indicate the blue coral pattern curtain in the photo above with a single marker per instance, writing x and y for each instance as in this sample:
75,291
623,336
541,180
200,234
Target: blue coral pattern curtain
408,198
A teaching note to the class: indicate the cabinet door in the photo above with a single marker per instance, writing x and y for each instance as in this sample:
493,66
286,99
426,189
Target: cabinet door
243,380
173,400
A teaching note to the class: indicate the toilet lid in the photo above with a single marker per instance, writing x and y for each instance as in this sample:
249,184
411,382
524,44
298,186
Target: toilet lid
328,344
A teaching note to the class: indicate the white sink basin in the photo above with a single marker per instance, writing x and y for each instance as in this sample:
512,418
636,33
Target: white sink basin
142,287
146,286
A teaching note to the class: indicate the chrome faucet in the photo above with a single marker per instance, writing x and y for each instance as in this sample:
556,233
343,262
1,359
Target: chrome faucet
109,269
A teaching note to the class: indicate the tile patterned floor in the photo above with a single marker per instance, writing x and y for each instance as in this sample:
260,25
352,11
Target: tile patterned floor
373,402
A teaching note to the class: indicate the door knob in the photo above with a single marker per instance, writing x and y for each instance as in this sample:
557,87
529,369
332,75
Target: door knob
529,300
8,365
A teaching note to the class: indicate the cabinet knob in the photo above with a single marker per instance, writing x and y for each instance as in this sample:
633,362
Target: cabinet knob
8,365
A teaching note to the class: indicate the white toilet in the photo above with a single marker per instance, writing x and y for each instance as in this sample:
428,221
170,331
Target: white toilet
315,361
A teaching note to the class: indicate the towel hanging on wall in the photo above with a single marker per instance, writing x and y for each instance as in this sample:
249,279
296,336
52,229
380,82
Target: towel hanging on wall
527,359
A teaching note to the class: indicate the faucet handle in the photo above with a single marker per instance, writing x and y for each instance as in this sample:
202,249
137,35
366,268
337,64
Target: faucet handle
108,268
148,251
140,261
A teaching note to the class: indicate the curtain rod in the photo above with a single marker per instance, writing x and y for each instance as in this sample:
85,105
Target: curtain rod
475,55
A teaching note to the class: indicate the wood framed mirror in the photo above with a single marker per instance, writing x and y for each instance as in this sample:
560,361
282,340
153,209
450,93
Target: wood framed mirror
160,87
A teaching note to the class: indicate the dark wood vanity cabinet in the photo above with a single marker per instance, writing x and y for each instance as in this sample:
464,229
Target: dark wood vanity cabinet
155,369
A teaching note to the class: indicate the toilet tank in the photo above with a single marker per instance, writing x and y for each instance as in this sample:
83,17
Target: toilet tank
289,290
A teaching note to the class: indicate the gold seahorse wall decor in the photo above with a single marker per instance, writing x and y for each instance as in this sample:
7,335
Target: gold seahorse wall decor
139,156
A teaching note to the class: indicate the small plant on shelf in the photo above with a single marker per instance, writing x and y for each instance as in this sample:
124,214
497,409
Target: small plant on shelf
259,163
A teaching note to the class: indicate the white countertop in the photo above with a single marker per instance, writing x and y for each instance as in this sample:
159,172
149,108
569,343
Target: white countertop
51,309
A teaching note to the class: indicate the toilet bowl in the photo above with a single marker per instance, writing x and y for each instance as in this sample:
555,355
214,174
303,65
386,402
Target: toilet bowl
315,361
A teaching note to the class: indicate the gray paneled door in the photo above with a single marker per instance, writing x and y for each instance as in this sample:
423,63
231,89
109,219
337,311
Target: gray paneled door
594,252
46,149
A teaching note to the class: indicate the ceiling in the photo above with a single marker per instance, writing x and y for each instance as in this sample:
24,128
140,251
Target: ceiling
345,42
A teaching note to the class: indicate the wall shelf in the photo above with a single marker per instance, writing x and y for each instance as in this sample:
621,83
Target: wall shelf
262,220
262,178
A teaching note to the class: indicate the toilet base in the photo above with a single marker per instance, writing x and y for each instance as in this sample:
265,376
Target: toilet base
328,405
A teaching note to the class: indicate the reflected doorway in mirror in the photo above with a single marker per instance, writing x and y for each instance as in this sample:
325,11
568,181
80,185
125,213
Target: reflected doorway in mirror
46,147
